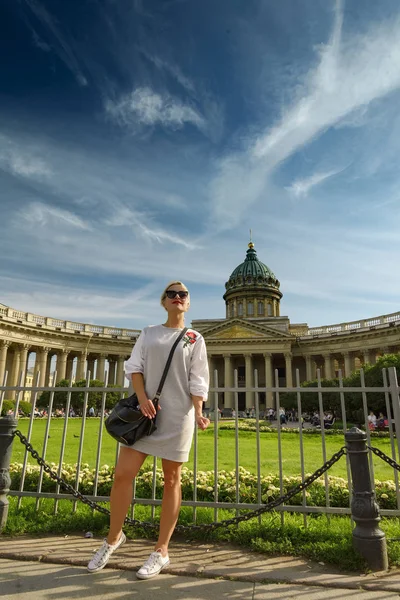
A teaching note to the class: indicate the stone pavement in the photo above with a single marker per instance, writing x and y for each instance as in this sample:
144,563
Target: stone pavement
50,568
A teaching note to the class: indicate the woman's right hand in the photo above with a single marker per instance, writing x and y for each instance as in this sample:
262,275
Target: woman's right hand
147,408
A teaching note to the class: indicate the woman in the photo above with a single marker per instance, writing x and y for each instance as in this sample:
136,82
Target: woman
180,405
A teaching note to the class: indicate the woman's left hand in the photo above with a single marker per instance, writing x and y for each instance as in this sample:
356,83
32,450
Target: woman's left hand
202,422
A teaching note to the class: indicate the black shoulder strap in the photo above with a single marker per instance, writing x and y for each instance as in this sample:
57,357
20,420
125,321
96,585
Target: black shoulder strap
167,366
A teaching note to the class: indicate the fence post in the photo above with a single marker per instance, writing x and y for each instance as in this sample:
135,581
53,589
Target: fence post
368,538
8,425
394,392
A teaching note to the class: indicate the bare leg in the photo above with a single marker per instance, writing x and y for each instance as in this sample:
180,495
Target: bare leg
129,463
171,503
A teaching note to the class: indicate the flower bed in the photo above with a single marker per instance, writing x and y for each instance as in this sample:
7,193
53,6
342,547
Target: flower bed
250,425
226,484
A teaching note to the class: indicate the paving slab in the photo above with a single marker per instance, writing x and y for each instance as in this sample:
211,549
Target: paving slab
199,560
28,580
38,581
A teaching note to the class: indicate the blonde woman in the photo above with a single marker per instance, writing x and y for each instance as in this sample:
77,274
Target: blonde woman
181,404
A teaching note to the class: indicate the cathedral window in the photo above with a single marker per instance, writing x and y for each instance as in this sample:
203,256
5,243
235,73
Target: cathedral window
250,309
269,309
240,309
260,309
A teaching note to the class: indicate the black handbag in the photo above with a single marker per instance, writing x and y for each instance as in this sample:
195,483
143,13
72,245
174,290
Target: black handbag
126,423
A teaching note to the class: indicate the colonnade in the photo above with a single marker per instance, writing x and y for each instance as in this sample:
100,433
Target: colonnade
73,364
68,364
283,365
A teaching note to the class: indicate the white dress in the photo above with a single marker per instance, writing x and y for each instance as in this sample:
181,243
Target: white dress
187,375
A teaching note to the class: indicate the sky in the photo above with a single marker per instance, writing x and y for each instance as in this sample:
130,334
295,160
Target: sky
141,140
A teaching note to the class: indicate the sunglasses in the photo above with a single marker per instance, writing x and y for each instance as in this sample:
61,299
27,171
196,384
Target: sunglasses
171,294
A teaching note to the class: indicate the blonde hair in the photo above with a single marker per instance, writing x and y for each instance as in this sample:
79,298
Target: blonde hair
164,294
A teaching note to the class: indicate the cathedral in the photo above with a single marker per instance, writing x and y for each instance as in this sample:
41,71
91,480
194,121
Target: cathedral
253,342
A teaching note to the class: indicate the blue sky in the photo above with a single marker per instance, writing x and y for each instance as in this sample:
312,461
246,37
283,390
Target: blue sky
141,140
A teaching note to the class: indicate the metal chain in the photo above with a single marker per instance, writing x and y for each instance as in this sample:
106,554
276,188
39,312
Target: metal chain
274,503
206,526
385,457
66,486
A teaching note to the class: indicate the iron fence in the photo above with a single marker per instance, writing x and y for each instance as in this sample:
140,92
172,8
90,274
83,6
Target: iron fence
222,446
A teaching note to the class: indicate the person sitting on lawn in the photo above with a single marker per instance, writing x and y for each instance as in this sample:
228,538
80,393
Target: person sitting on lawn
372,420
381,421
315,419
329,420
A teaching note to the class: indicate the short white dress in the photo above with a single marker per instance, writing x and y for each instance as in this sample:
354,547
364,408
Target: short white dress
188,375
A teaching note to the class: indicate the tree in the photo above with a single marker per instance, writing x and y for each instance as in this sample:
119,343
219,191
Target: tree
310,401
373,375
59,400
95,398
24,407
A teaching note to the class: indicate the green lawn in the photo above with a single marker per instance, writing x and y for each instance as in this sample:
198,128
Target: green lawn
226,449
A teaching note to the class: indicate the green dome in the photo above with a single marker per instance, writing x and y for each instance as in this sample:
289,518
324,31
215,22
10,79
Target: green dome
252,271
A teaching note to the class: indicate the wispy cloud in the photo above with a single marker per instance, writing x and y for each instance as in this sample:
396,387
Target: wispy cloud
145,107
62,47
39,214
171,68
350,75
124,216
90,305
22,161
39,43
301,187
206,104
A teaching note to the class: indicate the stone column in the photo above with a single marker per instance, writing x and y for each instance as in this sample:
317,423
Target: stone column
269,379
90,365
42,364
348,366
288,366
211,368
70,368
36,365
372,357
365,357
48,369
228,381
384,350
4,345
62,365
80,368
120,371
327,366
15,371
333,366
309,373
112,364
249,380
24,360
320,365
101,364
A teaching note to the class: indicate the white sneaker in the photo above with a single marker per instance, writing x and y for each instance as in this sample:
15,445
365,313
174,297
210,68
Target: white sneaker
153,566
102,556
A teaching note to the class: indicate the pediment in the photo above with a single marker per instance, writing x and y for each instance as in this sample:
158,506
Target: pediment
240,329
